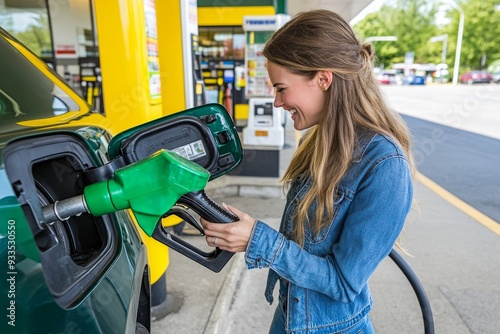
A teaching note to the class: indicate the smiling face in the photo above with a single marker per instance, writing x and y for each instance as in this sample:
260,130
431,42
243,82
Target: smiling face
305,99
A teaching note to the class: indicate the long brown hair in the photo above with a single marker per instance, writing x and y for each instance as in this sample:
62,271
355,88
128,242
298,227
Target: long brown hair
320,40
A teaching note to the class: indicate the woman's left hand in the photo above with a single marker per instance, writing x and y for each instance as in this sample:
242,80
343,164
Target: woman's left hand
232,237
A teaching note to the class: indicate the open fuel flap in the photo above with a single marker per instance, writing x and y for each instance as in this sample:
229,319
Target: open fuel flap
161,168
205,135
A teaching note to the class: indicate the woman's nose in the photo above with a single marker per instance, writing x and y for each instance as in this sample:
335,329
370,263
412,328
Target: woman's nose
278,102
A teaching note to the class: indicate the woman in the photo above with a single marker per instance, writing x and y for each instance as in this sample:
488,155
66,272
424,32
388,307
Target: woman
349,182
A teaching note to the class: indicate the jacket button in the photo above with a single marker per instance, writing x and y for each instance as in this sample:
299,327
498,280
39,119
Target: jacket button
296,300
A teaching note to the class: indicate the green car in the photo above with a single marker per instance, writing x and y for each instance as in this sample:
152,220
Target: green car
81,273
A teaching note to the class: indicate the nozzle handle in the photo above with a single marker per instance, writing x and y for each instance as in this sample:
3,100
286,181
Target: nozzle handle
181,212
215,260
205,207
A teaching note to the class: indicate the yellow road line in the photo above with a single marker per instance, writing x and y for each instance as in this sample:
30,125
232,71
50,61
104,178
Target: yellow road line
459,204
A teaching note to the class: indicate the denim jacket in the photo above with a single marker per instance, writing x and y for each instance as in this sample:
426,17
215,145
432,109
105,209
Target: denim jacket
327,279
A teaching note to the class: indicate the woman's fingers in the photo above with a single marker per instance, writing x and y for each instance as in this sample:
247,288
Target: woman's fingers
211,240
232,209
232,236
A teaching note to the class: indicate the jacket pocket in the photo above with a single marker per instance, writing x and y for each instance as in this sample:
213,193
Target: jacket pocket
340,196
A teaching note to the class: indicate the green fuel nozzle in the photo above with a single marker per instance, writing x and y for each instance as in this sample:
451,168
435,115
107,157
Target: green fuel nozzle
151,187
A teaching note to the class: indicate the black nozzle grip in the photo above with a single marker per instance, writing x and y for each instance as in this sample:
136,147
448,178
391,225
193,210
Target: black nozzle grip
215,260
200,203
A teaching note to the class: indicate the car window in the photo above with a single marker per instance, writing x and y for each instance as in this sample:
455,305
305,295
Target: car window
25,92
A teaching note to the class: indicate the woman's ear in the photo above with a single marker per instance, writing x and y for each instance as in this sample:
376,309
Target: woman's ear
324,79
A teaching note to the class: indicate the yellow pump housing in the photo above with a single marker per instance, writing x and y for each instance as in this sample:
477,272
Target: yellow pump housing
130,69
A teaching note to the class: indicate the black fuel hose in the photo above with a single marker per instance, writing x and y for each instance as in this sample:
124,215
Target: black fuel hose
425,305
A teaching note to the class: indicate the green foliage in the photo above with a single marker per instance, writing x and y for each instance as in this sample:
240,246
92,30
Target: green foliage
481,37
36,36
411,21
414,22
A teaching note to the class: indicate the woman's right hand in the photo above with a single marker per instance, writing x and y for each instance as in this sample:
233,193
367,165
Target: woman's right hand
232,237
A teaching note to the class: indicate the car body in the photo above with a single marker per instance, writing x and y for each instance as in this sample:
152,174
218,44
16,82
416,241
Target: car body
496,77
387,77
81,272
473,77
414,80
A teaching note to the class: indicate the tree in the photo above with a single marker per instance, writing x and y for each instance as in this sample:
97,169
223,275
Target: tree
412,21
374,25
37,35
481,40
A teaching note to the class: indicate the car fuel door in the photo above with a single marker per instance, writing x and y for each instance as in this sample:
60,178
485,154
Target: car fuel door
204,136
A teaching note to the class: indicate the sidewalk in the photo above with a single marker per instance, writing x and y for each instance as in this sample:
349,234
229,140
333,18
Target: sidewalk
455,258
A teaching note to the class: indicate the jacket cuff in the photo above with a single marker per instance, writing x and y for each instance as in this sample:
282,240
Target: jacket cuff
263,246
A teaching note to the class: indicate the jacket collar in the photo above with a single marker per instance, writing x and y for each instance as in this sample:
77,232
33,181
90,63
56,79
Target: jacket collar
364,137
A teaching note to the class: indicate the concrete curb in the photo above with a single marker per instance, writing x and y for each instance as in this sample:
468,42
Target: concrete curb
217,321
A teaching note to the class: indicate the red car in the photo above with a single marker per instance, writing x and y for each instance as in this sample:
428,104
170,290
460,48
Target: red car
387,78
472,77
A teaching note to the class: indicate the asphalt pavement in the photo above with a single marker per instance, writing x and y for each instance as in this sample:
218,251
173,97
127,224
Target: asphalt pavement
452,249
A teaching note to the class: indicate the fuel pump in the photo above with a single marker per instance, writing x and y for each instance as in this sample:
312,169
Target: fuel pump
265,122
91,82
264,134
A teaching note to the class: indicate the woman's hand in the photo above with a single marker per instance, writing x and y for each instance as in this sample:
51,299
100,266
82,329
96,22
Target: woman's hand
232,237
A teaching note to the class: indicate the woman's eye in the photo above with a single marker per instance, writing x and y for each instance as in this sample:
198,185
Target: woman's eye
279,90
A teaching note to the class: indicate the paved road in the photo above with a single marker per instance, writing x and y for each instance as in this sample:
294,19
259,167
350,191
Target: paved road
473,108
464,163
456,132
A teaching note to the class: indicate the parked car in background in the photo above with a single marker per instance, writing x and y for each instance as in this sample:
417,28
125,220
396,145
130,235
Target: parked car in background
496,77
387,78
414,80
472,77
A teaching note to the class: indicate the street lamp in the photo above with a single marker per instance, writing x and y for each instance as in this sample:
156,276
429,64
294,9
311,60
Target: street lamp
444,39
459,41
